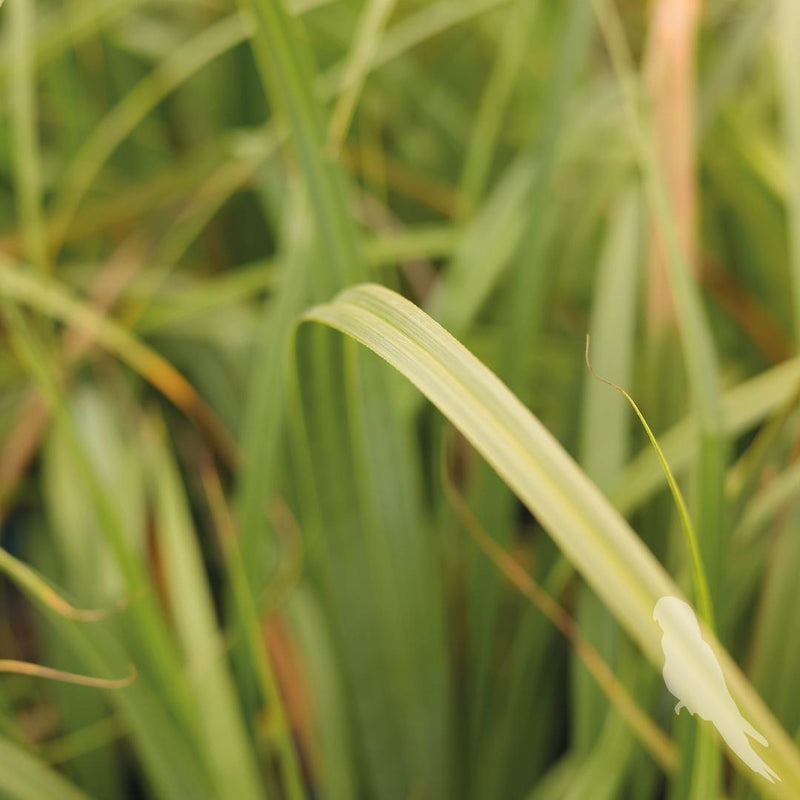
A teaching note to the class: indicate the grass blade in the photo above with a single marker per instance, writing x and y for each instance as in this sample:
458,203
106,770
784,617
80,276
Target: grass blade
22,91
24,777
600,544
787,16
221,725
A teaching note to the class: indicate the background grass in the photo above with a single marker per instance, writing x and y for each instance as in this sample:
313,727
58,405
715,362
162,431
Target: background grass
324,590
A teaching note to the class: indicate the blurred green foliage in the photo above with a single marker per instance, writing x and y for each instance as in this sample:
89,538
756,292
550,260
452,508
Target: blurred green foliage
261,507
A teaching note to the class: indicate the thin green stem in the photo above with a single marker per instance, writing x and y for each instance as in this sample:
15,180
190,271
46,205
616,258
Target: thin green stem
699,573
24,130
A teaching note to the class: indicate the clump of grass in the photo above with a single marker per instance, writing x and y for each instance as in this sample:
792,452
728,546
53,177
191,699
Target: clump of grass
200,200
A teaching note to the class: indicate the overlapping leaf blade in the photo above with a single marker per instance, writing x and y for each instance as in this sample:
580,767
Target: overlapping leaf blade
599,542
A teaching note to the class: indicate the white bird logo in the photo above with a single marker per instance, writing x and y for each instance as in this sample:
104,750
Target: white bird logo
690,668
